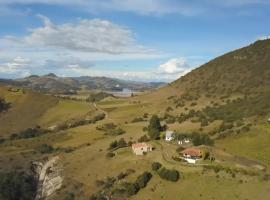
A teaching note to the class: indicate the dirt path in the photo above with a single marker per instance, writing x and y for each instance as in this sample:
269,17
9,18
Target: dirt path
103,111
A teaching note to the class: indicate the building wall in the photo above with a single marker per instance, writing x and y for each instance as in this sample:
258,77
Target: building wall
140,151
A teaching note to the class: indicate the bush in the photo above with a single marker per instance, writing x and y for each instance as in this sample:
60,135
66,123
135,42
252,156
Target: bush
3,105
2,140
117,144
110,154
121,175
167,174
144,138
138,119
17,185
156,166
28,133
131,188
110,129
45,148
96,97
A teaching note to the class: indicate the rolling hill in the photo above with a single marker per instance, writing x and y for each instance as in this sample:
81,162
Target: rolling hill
52,84
226,99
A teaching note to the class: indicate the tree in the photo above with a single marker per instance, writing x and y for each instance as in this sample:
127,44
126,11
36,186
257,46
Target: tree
154,128
17,185
154,134
122,143
3,105
155,123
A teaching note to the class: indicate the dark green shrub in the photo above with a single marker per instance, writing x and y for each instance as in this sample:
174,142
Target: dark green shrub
143,179
132,188
45,148
167,174
138,119
96,97
17,186
156,166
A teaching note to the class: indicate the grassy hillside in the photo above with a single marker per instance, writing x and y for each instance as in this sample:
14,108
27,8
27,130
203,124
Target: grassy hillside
26,108
227,99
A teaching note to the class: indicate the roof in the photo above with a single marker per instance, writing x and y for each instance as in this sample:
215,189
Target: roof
140,145
192,152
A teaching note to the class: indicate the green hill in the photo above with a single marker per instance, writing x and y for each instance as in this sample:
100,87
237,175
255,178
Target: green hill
25,109
244,71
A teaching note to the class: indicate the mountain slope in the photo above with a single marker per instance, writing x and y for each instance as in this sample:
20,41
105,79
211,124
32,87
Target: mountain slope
230,88
244,71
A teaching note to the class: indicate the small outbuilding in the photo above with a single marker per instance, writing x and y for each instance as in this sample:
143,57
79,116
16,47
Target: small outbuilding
141,148
169,136
184,141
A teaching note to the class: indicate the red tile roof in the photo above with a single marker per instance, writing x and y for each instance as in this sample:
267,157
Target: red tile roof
192,152
140,145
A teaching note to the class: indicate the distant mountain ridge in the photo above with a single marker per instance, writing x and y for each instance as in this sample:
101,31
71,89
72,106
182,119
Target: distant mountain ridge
51,83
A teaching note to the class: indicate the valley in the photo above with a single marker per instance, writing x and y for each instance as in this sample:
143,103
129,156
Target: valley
225,101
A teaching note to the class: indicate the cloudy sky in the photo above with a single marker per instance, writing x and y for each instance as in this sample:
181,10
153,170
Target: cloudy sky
145,40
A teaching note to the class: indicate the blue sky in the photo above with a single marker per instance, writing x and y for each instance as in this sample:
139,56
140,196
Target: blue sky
144,40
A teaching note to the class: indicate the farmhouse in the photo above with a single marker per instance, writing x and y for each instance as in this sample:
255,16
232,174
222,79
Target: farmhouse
191,155
169,136
141,148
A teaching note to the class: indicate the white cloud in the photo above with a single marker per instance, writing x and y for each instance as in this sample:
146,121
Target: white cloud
175,66
56,47
95,35
264,37
169,71
18,65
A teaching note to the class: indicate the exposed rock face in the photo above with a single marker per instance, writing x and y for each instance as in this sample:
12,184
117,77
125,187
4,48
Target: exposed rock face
49,177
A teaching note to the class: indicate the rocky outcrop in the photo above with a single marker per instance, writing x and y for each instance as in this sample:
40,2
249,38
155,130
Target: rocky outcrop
49,177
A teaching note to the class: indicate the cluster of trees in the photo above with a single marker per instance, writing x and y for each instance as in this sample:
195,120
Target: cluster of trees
118,144
81,122
122,189
201,139
164,173
141,182
169,119
28,133
3,105
17,185
111,129
96,97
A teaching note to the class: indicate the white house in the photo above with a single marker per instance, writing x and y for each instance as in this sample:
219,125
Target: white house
169,136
